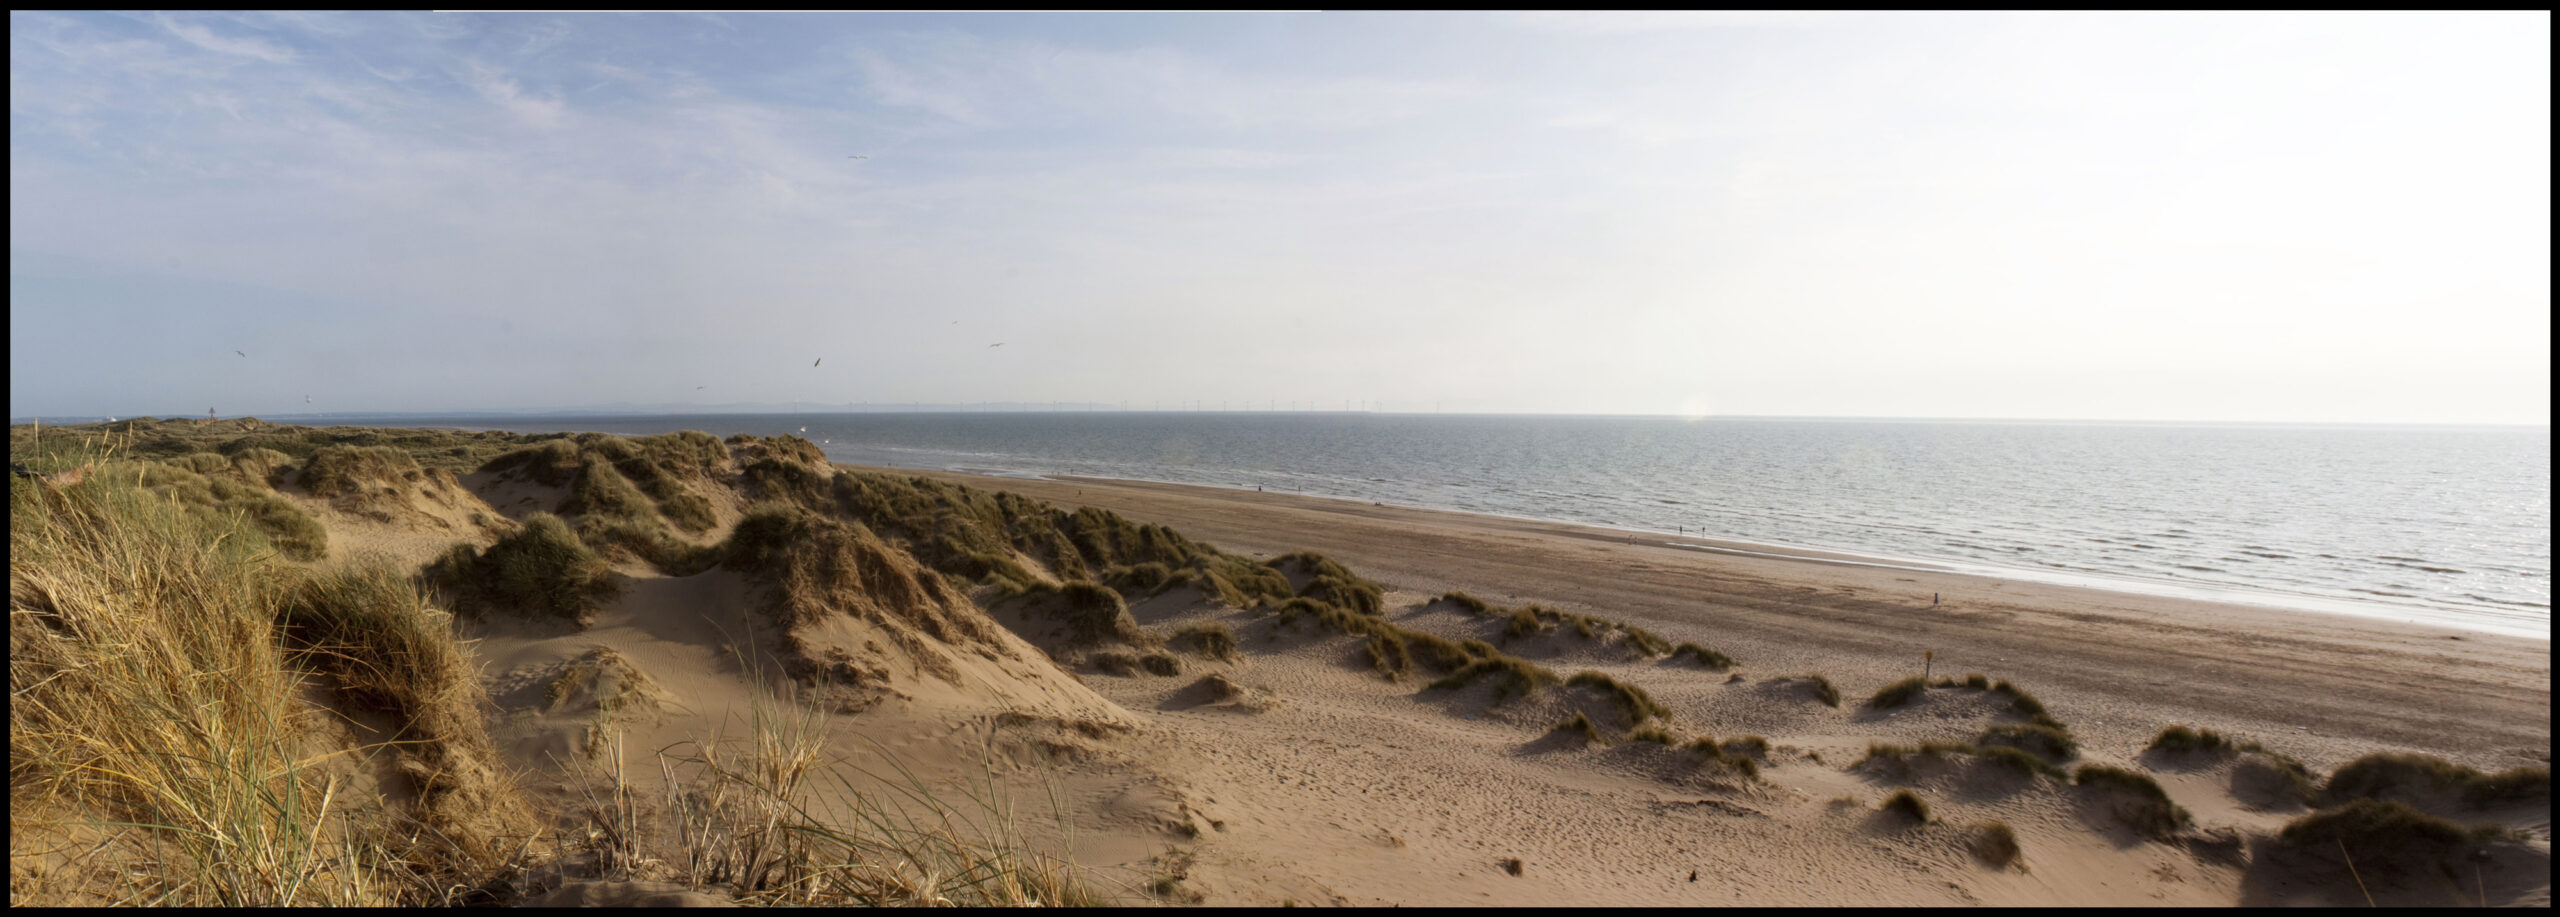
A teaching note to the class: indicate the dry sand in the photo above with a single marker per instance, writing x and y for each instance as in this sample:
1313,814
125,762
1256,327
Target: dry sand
1352,785
1296,773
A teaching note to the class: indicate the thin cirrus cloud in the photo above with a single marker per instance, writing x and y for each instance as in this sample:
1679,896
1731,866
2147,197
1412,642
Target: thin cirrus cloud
2148,216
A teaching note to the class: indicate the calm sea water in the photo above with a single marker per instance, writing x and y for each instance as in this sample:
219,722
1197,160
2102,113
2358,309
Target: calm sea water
2449,525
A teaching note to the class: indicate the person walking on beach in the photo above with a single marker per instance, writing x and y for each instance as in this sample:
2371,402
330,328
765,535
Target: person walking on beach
1933,600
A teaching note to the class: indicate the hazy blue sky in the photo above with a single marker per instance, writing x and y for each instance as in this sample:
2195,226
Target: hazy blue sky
2158,216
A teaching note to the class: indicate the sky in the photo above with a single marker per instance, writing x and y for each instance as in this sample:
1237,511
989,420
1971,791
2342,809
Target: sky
2211,216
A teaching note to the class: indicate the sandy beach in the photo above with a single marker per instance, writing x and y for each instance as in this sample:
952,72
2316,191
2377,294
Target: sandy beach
1235,722
2327,687
2117,667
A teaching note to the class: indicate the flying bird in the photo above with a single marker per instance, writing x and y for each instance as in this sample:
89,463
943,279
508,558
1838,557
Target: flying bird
857,157
306,399
997,344
242,355
813,364
697,388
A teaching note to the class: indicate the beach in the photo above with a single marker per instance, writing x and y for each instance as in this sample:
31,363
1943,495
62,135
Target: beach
1219,696
2327,687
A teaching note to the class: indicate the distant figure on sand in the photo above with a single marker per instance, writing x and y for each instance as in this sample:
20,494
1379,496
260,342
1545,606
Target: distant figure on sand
1933,600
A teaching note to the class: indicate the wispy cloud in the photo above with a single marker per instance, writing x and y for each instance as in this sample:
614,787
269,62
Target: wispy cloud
1606,22
497,87
204,37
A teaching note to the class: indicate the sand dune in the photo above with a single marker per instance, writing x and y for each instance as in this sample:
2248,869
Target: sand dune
1231,727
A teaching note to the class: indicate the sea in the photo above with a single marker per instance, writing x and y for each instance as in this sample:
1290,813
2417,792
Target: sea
2442,525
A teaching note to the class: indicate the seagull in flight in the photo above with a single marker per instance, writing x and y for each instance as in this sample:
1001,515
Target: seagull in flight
306,399
242,355
697,388
813,364
997,344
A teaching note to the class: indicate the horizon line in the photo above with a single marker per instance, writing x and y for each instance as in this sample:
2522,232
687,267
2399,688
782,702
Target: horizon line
1098,408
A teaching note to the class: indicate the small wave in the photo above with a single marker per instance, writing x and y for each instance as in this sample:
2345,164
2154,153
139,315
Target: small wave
1672,502
2103,540
2146,547
2474,595
2200,569
2430,569
2396,595
2270,555
2413,560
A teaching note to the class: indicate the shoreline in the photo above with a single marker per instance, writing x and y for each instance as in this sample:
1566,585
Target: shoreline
2326,688
2470,619
2484,615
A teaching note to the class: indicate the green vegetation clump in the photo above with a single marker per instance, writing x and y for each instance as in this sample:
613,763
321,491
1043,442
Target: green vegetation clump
1993,843
1822,689
1473,605
2384,836
1388,653
1646,642
1211,641
1906,804
2402,777
386,650
1632,702
1580,726
225,492
2180,739
2140,801
1161,664
1978,682
159,658
2051,743
1094,614
352,471
1122,664
1897,760
542,570
1702,655
1898,693
2277,773
1442,654
2025,764
2026,705
1513,677
1732,754
975,534
1653,733
813,568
